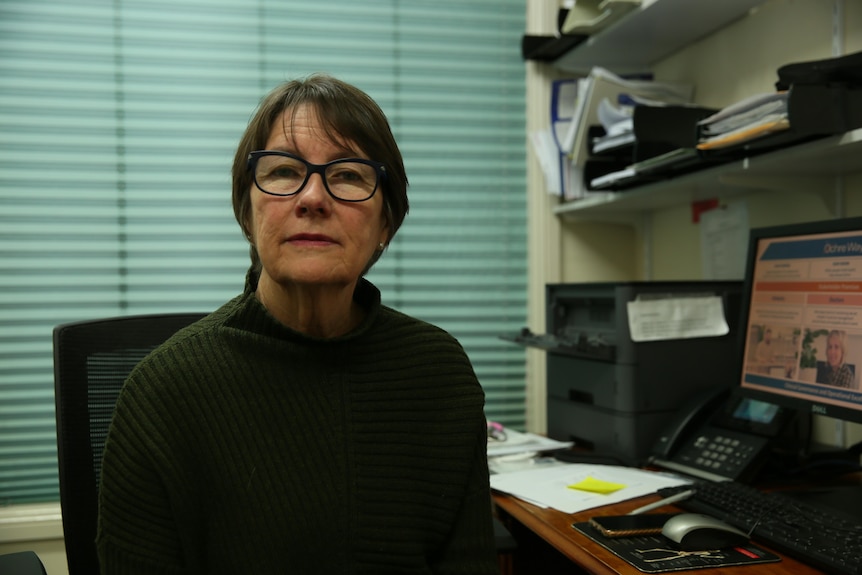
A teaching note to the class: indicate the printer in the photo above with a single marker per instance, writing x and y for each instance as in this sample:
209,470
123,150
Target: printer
613,395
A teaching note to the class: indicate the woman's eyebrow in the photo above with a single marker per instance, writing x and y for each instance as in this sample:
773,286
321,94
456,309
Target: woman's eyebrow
349,152
341,150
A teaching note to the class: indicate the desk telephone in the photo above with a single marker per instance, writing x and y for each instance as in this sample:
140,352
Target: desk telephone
720,435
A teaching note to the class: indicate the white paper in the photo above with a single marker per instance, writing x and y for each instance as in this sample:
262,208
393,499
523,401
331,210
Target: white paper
676,318
549,487
618,176
548,155
743,106
517,442
724,242
568,94
615,118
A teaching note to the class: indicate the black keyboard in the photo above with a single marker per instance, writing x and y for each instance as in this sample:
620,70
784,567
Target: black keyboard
826,540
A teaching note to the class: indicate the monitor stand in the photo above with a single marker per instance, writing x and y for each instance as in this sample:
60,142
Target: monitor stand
835,499
839,492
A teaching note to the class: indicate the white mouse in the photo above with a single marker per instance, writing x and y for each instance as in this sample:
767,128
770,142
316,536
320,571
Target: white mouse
697,532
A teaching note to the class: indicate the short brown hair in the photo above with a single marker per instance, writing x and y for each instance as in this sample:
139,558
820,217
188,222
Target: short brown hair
345,113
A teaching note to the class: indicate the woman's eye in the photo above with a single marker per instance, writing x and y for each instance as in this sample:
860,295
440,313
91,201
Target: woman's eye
284,171
353,173
346,175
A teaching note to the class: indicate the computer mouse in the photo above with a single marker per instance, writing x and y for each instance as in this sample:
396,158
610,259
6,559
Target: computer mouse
698,532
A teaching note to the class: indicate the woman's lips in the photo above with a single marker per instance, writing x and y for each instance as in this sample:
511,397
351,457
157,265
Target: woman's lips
310,239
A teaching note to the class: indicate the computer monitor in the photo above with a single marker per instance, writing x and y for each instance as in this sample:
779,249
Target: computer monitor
802,318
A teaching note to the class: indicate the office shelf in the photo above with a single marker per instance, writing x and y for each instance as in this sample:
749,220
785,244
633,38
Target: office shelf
809,167
655,30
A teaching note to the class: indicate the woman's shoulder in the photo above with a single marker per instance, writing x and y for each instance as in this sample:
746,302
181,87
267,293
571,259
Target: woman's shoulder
398,321
190,345
406,340
207,323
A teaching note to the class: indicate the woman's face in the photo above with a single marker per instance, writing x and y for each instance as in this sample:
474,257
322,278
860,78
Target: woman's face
834,355
312,238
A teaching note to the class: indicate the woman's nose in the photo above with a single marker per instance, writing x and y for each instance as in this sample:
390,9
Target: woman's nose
313,197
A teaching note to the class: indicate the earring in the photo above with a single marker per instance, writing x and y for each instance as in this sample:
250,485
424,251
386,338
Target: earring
381,246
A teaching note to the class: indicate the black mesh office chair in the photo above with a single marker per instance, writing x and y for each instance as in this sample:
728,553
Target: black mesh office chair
91,361
21,563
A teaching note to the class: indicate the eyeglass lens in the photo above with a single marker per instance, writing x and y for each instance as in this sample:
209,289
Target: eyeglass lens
347,180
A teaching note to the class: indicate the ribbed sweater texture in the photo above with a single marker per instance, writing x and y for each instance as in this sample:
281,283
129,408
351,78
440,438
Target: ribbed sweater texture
242,446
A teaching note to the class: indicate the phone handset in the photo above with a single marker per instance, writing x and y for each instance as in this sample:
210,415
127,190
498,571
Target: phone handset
719,438
691,416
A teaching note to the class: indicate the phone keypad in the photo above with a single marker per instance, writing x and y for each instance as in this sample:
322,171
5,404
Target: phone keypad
722,453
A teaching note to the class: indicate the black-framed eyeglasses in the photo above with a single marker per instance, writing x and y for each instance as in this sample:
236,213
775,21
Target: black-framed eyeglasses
285,174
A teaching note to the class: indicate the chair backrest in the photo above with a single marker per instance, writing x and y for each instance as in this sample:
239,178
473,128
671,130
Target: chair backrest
91,362
21,563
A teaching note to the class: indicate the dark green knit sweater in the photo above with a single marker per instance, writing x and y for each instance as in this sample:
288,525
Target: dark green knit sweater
243,447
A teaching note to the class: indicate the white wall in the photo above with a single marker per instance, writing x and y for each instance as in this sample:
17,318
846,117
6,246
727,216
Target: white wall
737,62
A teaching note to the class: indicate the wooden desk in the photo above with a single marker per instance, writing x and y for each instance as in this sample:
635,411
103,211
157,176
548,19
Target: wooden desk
555,527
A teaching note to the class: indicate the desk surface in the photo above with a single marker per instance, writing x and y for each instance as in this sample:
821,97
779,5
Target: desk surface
555,527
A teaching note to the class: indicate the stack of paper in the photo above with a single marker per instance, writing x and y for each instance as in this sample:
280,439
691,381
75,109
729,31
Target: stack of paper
600,86
744,121
577,104
518,442
618,123
577,487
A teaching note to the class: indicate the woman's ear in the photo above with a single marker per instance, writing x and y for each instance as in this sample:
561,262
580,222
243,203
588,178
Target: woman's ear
248,226
384,238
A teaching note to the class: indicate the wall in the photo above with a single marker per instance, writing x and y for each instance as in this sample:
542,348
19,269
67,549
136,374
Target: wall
728,65
36,528
732,64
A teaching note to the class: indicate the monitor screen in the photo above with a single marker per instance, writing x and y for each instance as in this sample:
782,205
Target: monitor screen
802,312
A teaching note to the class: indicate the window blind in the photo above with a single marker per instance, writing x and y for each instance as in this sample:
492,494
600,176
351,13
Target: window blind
118,123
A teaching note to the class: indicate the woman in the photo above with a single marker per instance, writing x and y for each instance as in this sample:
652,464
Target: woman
303,427
836,372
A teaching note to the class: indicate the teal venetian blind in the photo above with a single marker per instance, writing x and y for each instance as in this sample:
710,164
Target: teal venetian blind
118,122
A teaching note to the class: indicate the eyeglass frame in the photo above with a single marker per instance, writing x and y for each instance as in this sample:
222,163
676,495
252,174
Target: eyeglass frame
253,157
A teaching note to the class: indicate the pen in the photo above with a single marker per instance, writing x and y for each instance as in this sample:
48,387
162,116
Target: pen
661,503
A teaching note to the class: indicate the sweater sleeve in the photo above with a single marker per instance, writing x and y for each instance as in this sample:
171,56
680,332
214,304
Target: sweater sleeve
137,532
470,548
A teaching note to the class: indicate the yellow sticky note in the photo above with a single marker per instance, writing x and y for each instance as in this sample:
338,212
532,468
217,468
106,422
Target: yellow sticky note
594,485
